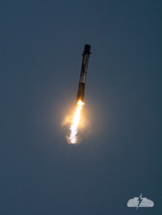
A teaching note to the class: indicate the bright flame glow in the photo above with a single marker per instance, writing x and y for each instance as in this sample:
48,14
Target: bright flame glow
74,126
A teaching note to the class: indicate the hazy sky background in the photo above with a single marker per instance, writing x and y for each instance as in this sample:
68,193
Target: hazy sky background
41,46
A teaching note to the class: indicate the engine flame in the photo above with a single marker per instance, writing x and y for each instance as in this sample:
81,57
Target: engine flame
74,126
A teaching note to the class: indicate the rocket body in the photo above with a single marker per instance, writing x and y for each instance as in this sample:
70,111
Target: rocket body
83,73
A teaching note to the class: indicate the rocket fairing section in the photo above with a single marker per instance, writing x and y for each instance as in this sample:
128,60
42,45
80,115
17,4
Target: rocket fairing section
83,73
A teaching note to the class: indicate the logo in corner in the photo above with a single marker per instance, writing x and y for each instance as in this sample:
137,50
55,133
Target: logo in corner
140,202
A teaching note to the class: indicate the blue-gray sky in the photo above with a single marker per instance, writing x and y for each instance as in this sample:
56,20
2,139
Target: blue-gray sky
41,47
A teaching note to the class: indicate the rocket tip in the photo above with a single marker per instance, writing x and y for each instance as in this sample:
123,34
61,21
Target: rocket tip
87,49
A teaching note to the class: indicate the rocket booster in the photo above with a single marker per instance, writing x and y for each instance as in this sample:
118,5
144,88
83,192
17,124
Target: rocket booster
83,73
